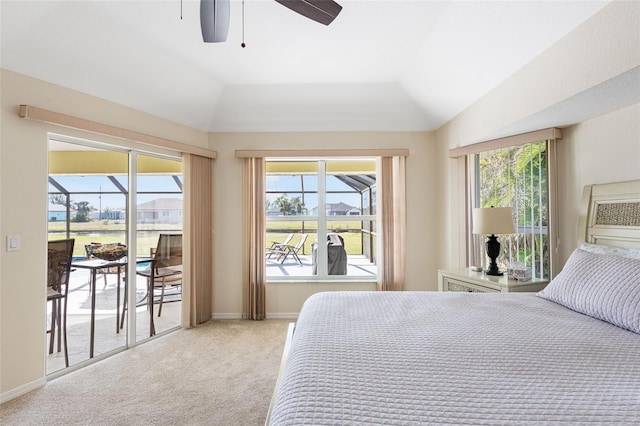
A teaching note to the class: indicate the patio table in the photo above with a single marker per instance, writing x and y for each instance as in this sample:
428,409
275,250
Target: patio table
94,265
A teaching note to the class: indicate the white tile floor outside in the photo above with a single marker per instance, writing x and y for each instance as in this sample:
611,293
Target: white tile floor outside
357,265
107,337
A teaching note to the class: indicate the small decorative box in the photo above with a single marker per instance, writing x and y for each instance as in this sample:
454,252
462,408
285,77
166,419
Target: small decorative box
518,271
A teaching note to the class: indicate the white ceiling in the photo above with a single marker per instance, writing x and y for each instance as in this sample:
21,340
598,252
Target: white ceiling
381,65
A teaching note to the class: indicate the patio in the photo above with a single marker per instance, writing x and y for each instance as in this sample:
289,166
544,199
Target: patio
357,266
106,337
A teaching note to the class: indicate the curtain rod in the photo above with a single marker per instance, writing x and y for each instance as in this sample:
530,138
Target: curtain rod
537,135
51,117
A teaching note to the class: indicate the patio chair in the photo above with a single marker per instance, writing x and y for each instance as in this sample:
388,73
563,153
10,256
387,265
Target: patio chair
59,256
287,250
168,267
276,246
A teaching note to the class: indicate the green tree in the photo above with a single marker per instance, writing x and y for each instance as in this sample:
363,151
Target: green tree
517,177
58,199
297,204
83,208
284,204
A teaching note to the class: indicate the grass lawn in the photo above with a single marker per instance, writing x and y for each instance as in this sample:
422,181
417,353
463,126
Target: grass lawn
109,232
352,240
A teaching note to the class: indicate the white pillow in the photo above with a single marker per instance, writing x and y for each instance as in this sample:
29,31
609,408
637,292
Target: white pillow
618,251
603,286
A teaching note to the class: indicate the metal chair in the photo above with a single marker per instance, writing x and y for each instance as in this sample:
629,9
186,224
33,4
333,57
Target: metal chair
167,261
59,256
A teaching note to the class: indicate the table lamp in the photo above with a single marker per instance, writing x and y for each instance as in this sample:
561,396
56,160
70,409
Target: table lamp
494,220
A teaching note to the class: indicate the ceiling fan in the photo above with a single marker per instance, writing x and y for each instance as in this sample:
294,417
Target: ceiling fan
214,15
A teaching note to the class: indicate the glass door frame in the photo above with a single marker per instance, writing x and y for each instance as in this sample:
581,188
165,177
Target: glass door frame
130,232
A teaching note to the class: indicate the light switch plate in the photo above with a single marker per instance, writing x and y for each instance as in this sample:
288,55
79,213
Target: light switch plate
13,242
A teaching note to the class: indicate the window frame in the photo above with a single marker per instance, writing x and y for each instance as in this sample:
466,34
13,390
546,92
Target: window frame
323,220
474,241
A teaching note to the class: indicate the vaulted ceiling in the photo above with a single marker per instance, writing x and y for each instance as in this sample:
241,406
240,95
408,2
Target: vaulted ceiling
380,66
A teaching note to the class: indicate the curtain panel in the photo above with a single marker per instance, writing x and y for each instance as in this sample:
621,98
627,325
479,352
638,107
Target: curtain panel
254,219
393,224
197,305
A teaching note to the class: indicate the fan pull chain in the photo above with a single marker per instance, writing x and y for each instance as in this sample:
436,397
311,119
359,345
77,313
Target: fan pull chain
243,44
181,10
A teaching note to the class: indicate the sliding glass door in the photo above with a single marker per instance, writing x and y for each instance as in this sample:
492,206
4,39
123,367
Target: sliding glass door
159,238
93,188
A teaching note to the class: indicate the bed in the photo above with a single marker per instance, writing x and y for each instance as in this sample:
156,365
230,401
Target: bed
569,354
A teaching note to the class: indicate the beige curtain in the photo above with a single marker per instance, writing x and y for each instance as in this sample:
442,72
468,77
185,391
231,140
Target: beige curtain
393,224
254,241
197,305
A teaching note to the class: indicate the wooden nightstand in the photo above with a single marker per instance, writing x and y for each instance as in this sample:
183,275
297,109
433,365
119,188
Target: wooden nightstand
477,282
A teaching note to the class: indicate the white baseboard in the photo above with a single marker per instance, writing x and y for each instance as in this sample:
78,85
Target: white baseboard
21,390
232,316
283,315
227,316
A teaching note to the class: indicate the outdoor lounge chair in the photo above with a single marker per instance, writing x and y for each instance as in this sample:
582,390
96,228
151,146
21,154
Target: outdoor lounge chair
287,250
276,247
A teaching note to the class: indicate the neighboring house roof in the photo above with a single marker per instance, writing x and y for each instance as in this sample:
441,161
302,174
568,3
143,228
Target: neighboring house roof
340,207
162,204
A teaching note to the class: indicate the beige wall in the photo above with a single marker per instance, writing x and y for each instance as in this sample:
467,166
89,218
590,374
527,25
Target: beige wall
604,149
23,206
285,299
605,49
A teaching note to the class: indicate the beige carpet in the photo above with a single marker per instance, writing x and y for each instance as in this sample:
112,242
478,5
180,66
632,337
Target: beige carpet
220,373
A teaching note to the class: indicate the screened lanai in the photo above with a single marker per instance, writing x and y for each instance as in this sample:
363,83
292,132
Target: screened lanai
88,195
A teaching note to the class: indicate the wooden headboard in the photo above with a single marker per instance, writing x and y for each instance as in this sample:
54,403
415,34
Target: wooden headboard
610,214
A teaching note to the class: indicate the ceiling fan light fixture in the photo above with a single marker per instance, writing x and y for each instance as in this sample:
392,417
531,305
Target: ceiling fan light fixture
322,11
214,20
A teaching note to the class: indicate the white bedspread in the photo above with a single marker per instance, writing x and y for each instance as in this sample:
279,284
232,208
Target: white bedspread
411,358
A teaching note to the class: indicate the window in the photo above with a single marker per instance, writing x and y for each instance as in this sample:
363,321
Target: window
313,201
516,177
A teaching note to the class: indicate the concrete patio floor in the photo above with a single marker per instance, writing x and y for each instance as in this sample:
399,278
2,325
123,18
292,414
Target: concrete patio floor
106,336
357,266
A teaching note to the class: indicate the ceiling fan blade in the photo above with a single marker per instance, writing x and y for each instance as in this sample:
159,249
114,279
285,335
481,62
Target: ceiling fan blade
322,11
214,20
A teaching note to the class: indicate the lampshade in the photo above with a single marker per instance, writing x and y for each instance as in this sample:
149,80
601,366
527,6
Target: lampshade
494,220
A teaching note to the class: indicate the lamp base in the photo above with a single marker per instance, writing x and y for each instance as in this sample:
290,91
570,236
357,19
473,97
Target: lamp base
493,250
